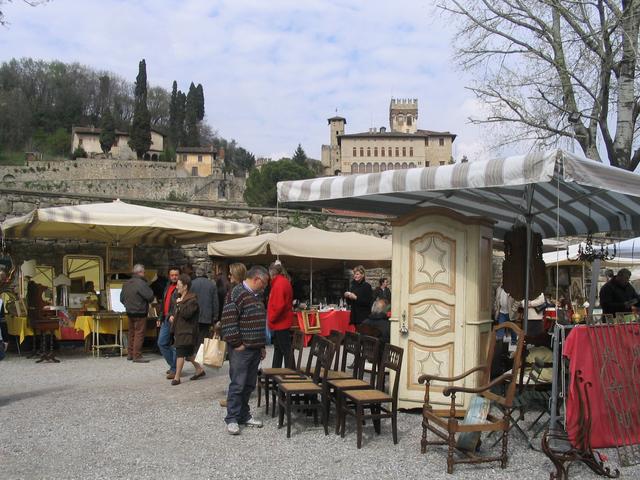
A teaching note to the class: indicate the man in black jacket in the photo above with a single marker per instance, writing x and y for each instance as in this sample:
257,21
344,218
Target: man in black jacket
136,296
617,295
207,294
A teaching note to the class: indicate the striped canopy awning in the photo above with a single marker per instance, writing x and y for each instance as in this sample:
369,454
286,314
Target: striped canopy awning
592,197
123,224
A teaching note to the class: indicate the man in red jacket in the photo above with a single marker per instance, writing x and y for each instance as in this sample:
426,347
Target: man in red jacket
279,314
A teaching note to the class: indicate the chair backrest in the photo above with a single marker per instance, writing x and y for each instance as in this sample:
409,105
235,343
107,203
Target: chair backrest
369,352
351,347
336,338
297,346
391,360
324,359
506,399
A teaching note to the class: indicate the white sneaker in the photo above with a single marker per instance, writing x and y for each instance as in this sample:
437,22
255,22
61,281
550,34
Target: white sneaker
233,428
252,422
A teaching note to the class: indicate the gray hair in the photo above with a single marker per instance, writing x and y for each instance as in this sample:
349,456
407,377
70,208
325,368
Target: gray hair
138,268
379,306
258,271
276,268
200,272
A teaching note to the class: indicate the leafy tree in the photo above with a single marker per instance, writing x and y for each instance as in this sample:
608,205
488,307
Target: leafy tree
31,3
108,134
140,134
261,184
79,152
299,156
58,142
553,69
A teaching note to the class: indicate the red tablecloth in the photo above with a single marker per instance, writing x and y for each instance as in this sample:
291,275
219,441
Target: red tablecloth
333,320
609,358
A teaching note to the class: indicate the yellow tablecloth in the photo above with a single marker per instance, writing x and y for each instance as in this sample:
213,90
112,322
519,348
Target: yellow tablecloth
19,327
107,326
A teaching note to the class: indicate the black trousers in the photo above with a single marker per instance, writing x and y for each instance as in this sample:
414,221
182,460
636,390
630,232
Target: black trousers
204,331
281,340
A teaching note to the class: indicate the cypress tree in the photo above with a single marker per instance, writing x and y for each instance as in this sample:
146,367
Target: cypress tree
173,120
180,116
200,102
140,135
108,134
192,136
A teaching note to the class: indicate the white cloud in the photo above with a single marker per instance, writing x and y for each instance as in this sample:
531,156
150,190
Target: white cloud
272,72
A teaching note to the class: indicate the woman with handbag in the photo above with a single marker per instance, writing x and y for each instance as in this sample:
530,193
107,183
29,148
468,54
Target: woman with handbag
185,328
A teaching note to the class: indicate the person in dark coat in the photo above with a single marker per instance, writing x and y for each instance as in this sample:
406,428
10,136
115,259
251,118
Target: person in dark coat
359,297
136,296
207,293
617,295
185,328
382,291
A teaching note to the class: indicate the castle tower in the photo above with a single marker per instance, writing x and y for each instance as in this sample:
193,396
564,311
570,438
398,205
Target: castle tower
331,153
403,115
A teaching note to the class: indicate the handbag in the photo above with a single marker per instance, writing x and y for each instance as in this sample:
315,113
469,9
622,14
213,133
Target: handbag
543,307
200,355
214,350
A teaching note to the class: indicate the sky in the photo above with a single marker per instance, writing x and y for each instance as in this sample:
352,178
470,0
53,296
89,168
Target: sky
272,71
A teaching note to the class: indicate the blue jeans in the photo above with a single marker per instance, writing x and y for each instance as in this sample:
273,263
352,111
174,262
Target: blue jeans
164,344
504,317
243,372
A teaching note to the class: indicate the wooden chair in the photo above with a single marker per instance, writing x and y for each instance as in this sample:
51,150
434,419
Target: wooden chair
369,352
309,394
265,377
311,321
336,338
447,428
356,401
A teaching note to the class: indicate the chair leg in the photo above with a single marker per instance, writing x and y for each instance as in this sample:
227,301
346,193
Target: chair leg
394,425
260,391
452,445
375,410
273,401
505,437
343,420
338,411
288,408
280,410
359,419
423,441
325,413
267,388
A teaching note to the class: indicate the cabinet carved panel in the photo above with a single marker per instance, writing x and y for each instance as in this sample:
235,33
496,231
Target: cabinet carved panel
436,360
433,263
432,317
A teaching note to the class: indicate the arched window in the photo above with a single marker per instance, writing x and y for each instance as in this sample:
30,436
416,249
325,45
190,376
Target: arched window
375,151
404,151
362,168
382,152
397,166
354,167
397,151
390,151
404,165
355,152
376,167
409,120
369,167
383,167
412,165
411,151
362,151
368,151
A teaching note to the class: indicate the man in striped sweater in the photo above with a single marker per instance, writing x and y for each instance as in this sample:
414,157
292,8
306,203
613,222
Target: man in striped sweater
243,328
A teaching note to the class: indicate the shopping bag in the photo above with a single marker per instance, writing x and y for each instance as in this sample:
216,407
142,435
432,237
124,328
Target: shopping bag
214,351
200,355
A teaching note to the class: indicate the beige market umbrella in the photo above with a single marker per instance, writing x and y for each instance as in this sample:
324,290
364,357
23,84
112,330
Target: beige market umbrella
123,224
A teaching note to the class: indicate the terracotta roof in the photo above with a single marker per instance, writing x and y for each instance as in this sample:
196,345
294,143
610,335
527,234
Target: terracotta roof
208,149
98,131
418,134
336,118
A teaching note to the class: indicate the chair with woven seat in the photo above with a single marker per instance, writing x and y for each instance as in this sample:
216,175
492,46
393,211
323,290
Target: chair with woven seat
374,399
447,428
266,375
369,352
310,394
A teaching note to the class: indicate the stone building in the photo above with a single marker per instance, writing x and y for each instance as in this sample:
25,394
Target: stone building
200,161
377,150
89,139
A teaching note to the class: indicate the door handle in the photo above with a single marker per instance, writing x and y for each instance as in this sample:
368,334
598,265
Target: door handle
404,330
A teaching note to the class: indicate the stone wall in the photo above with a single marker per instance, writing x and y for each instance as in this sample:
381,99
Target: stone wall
116,178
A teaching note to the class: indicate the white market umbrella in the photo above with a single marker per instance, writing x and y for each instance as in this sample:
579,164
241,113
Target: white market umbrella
123,224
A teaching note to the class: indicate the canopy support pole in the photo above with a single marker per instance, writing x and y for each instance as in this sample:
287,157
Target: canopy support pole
529,190
310,282
595,273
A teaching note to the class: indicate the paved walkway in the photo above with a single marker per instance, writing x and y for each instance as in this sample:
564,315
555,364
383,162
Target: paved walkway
108,418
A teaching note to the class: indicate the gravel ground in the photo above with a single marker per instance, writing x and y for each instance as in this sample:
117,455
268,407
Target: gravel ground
90,418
